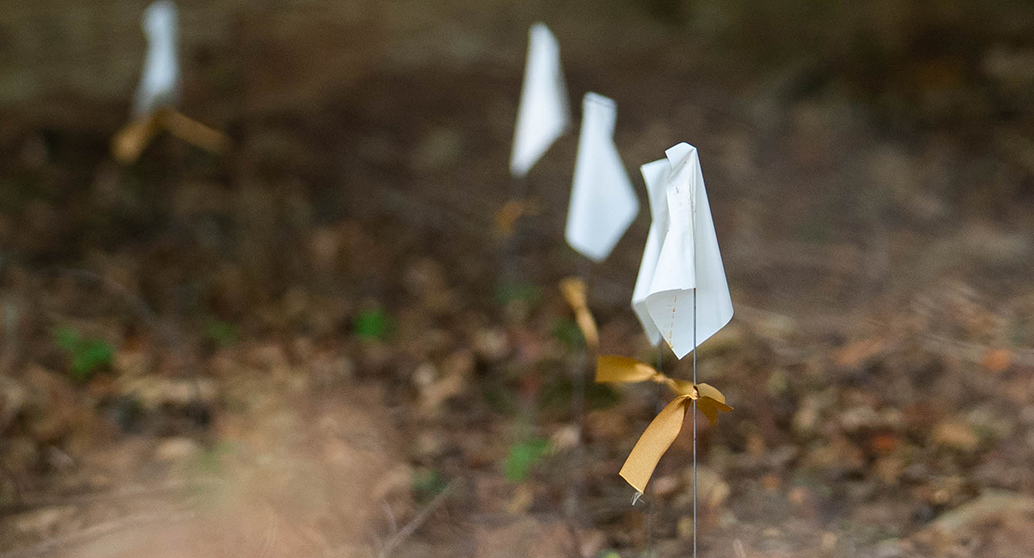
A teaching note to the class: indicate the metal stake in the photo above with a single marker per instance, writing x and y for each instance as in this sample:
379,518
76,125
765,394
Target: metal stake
694,425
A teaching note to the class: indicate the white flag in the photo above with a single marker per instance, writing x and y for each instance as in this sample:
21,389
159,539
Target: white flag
160,81
543,114
681,254
603,203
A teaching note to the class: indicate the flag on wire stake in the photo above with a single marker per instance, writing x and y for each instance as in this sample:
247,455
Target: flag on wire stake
603,203
544,113
159,90
681,295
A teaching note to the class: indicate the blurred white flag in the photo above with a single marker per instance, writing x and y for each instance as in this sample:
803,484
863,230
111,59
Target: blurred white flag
543,114
681,254
603,203
159,83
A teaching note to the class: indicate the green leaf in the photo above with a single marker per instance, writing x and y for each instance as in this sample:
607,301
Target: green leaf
568,333
523,456
427,484
528,294
222,333
88,356
372,324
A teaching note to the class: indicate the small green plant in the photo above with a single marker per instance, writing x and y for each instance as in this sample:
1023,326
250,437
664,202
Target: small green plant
528,294
221,333
523,456
427,484
568,333
89,356
372,324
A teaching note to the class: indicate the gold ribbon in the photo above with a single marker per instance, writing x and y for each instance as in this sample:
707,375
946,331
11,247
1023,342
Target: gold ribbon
506,217
661,433
131,140
573,289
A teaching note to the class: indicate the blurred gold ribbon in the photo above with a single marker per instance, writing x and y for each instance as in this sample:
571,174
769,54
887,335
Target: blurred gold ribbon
131,140
666,426
506,217
573,289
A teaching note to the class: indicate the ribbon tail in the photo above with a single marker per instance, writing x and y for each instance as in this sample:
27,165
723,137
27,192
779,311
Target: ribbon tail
656,440
711,402
131,140
573,289
587,324
194,132
613,368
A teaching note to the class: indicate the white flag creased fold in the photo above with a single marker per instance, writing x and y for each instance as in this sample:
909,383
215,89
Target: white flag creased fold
160,79
544,113
681,255
603,203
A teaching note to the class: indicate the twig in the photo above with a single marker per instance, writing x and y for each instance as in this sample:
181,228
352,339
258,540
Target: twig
11,324
95,531
116,288
973,352
391,517
576,538
28,502
411,527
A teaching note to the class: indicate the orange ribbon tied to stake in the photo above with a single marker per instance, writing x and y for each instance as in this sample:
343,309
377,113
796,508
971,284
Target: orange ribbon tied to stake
665,427
573,290
131,140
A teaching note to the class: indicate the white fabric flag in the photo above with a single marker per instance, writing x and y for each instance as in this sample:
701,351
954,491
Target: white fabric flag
160,81
544,114
603,203
681,254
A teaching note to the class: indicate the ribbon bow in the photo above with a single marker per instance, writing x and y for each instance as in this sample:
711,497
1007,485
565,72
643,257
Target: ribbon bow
135,136
665,427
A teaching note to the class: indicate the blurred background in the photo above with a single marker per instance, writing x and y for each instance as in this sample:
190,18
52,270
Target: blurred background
306,346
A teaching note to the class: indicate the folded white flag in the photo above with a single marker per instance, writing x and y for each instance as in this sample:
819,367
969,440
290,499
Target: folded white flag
603,203
159,83
543,114
681,254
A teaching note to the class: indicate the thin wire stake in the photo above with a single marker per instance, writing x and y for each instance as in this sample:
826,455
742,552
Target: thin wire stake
650,520
694,425
579,405
511,249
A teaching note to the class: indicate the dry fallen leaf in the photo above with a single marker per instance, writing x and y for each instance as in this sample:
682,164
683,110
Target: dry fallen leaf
997,360
857,353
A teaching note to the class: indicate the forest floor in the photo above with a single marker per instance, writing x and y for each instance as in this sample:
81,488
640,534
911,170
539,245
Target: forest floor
320,344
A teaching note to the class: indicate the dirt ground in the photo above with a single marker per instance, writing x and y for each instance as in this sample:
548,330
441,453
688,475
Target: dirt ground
321,344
